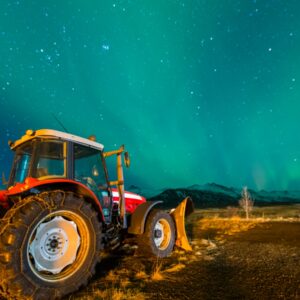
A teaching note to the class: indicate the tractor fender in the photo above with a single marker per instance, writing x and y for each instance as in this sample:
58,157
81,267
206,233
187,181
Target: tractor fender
139,217
32,184
80,189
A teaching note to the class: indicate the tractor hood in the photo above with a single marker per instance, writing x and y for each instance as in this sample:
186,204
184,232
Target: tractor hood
132,200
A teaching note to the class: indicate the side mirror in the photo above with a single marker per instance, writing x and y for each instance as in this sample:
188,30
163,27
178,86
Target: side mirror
126,159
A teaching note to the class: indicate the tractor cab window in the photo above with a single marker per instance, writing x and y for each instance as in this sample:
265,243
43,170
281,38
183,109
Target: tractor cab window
39,158
88,168
21,163
50,160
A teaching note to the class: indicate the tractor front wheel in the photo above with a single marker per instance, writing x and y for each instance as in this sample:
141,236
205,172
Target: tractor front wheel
49,246
159,235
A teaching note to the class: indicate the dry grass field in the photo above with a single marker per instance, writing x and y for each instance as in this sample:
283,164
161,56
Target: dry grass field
232,258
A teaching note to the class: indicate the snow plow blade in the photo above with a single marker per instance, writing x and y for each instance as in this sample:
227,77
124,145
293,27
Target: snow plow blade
183,210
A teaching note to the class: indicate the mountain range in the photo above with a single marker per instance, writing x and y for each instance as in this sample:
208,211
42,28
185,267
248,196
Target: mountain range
215,195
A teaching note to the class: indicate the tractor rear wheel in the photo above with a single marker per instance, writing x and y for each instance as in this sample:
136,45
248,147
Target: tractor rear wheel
49,246
159,236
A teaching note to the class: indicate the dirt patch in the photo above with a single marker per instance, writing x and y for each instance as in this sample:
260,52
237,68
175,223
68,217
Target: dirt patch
262,263
232,259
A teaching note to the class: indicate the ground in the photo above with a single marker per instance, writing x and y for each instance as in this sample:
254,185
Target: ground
231,259
262,263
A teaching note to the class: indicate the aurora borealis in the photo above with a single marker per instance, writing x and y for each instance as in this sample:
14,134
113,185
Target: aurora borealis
198,91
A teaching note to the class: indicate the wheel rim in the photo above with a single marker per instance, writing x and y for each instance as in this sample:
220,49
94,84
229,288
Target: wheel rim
58,246
162,234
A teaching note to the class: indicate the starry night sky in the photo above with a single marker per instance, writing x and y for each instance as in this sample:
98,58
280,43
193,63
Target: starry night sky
198,91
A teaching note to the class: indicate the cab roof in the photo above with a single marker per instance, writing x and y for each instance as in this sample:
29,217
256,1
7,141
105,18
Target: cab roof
49,133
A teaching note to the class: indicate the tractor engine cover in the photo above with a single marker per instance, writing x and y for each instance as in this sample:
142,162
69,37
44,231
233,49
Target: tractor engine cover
132,200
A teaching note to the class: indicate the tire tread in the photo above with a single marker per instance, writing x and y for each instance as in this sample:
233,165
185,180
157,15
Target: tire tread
15,282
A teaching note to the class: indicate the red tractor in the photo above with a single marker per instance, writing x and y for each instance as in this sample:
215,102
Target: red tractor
60,212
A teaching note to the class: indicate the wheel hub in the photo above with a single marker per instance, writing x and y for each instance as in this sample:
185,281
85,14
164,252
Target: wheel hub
158,234
54,245
162,234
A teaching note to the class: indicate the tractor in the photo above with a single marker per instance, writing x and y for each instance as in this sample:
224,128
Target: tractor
60,211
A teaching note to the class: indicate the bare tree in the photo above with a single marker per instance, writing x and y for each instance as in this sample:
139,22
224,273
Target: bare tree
246,202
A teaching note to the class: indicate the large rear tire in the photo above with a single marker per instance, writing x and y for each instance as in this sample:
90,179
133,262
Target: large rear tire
49,246
159,236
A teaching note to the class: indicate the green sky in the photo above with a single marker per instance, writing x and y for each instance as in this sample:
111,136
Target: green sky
198,91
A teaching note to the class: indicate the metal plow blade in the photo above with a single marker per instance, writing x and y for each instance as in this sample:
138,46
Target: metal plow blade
183,210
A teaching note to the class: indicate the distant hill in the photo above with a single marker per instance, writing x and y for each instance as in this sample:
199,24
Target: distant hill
215,195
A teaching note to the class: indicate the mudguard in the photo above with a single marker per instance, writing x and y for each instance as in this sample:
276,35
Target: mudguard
139,216
183,210
179,214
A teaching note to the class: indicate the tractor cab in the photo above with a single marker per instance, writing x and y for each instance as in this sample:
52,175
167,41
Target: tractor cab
53,156
47,158
50,154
